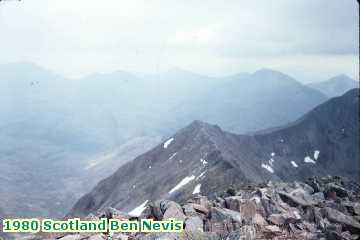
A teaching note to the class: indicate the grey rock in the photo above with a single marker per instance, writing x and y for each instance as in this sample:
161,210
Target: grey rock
247,232
337,217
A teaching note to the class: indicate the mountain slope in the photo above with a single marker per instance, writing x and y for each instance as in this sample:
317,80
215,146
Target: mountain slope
324,141
251,102
335,86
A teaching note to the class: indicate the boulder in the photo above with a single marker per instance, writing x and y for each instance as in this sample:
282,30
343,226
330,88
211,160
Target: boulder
172,210
194,224
337,217
223,220
297,199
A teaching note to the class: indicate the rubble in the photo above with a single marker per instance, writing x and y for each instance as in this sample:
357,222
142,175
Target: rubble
321,208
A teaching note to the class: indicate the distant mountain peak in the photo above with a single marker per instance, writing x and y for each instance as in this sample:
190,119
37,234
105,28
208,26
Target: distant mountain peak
341,77
335,86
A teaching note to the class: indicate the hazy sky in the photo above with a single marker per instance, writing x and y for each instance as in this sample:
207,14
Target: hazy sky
310,40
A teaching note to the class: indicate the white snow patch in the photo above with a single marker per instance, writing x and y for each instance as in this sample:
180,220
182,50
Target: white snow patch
294,164
197,189
138,210
297,215
201,174
182,183
282,140
308,159
267,167
180,161
271,161
150,166
256,199
172,156
273,154
168,142
203,161
316,154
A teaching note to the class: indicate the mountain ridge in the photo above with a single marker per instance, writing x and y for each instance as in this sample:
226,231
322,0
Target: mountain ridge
204,154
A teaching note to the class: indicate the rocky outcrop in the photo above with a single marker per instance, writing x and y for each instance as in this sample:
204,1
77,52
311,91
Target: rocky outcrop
296,210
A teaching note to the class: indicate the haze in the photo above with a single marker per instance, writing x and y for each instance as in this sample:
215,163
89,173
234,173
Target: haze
311,40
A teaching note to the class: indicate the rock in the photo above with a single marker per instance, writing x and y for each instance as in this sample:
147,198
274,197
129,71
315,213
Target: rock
162,236
114,213
247,208
203,201
259,220
296,200
223,220
285,218
273,229
189,210
153,210
313,182
247,232
337,217
98,237
332,188
173,210
200,208
194,224
120,236
318,197
276,219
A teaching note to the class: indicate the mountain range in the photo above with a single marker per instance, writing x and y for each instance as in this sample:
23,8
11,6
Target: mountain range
203,158
61,136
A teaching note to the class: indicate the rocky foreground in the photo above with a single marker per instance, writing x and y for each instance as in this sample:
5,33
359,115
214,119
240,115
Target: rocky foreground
320,208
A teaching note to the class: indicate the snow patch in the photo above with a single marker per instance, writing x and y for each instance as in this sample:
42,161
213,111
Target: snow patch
201,174
168,142
316,154
150,166
297,215
136,212
294,164
273,154
267,167
197,189
172,156
256,199
182,183
203,161
308,159
271,161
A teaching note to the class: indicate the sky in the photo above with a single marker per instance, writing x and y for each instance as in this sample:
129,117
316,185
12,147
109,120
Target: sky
310,40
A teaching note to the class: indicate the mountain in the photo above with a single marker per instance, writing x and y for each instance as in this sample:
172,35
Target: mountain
250,102
61,136
202,157
335,86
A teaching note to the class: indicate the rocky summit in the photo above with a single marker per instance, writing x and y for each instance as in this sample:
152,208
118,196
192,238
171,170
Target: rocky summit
325,208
